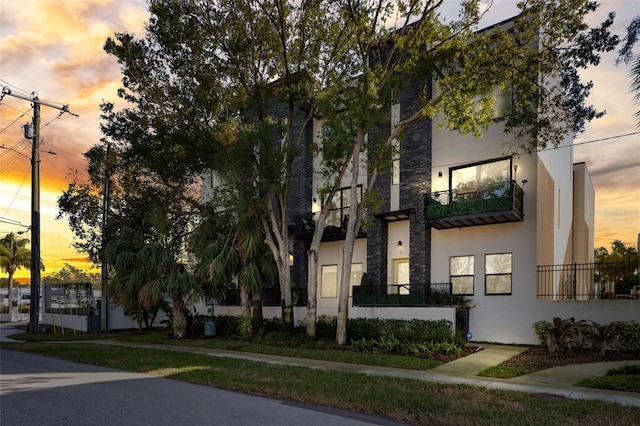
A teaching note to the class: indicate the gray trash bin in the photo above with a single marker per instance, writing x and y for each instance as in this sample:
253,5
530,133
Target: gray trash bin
209,328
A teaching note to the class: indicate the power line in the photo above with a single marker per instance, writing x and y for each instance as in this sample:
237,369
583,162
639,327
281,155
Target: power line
14,121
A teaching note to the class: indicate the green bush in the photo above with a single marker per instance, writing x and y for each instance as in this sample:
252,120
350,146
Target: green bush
408,337
568,334
541,328
272,324
326,326
628,335
625,370
227,325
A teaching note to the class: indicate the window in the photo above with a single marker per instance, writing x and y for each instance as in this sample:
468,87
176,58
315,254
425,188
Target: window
461,273
395,172
482,181
482,175
356,276
339,209
329,281
498,273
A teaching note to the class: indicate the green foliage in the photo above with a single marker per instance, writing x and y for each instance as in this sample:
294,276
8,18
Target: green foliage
227,325
568,334
541,328
624,370
409,337
565,334
326,326
390,344
628,335
192,322
601,336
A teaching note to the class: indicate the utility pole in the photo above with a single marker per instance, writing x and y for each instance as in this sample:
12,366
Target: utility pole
34,310
104,302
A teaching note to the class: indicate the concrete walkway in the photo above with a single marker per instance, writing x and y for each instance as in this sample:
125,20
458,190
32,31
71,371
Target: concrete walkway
556,382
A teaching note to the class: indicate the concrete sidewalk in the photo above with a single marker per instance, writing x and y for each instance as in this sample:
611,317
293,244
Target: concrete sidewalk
556,382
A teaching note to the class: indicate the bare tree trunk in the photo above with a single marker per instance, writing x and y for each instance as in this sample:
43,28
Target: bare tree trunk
256,313
353,224
245,300
179,317
312,290
10,296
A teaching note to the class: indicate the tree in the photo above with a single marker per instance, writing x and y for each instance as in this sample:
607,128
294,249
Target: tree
150,267
13,256
619,266
210,84
400,45
626,55
231,249
71,274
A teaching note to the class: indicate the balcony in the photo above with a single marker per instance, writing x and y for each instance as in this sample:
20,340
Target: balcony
416,295
501,202
335,226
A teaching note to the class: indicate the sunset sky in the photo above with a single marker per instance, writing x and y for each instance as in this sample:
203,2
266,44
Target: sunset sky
55,49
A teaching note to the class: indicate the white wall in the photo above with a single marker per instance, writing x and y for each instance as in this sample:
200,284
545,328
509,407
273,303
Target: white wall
331,254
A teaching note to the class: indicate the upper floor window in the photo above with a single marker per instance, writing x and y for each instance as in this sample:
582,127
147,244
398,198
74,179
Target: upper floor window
488,177
339,206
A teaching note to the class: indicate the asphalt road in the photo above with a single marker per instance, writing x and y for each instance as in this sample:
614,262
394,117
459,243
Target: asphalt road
36,390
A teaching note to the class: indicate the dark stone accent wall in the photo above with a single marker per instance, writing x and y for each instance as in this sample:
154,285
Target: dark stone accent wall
377,248
415,181
300,195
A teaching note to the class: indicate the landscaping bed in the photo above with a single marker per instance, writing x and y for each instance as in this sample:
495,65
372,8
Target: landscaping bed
537,358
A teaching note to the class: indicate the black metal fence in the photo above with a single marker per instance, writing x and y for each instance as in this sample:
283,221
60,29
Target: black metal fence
589,281
271,296
434,294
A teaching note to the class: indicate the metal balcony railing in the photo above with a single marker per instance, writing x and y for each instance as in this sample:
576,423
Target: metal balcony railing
496,203
271,296
434,294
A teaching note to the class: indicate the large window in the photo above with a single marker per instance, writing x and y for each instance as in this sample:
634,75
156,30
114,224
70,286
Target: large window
461,274
498,273
339,208
489,179
329,281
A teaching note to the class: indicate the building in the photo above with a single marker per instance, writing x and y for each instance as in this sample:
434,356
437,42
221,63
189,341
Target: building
462,218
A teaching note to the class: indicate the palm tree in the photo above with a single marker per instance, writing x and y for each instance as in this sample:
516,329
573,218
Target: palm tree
230,249
148,268
13,256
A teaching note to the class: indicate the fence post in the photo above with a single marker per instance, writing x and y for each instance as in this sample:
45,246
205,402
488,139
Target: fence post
575,281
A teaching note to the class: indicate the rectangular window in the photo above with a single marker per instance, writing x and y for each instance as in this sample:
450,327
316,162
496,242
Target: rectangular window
461,273
329,281
483,180
356,276
339,208
498,273
395,172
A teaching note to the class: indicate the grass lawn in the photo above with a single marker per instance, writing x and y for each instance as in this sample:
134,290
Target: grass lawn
404,400
626,378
